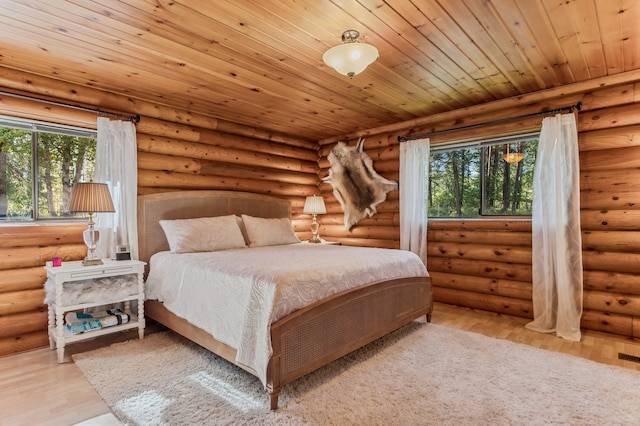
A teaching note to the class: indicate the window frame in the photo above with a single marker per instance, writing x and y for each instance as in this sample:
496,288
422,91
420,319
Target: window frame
480,144
36,127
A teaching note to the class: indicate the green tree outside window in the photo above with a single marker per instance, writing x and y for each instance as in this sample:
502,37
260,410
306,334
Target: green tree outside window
63,155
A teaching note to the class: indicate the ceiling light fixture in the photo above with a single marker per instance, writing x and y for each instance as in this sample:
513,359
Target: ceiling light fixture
513,156
351,57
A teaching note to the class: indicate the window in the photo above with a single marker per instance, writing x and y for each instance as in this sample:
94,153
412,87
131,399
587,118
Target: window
484,178
39,163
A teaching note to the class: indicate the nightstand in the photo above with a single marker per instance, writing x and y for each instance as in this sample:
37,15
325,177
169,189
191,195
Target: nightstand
73,272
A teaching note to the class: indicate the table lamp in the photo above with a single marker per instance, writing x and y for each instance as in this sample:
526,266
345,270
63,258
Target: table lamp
91,197
314,205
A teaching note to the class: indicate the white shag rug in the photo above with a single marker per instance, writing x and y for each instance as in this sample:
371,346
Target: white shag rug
423,374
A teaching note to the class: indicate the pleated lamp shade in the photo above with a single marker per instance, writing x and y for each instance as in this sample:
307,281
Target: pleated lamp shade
314,205
91,197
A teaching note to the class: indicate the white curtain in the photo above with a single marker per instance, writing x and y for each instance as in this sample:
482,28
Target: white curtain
116,165
557,242
414,173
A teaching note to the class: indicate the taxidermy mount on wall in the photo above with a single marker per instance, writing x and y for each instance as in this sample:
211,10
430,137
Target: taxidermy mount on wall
356,185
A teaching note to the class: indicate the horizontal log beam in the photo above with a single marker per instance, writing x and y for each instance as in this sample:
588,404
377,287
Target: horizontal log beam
152,178
624,304
21,301
53,89
26,257
627,157
197,150
609,220
488,109
616,137
617,241
503,305
523,225
611,261
608,118
487,269
615,282
506,238
25,342
605,180
23,323
610,199
358,231
505,288
362,242
481,252
169,163
226,140
42,235
22,279
609,323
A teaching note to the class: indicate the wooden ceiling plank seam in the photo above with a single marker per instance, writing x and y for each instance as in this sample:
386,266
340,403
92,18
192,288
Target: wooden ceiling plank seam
542,29
366,88
283,125
545,96
451,73
437,55
293,109
428,97
365,95
288,78
483,45
516,24
388,90
337,26
439,41
247,40
610,24
289,94
448,25
433,79
629,19
585,17
566,33
499,41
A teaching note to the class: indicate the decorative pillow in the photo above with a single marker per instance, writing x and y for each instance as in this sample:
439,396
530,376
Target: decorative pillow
203,234
269,232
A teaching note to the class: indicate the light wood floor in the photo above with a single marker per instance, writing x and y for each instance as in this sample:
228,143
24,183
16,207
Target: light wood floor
35,389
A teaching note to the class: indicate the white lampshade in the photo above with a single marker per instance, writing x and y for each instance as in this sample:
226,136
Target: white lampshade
351,57
314,205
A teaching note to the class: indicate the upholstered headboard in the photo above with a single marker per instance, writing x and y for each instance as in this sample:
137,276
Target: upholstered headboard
192,204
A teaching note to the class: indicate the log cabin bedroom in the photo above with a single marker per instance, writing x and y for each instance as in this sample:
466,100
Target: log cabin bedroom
320,212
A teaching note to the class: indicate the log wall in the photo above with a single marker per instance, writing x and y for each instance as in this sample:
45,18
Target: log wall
486,264
177,150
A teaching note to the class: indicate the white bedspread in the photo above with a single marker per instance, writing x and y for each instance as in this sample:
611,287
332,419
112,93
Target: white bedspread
236,294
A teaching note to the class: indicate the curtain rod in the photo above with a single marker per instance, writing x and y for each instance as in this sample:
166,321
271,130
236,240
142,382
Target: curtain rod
132,118
570,109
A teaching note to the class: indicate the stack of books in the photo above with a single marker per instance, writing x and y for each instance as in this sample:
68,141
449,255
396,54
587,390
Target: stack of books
80,322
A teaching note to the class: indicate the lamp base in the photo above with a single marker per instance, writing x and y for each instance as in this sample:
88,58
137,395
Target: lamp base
91,262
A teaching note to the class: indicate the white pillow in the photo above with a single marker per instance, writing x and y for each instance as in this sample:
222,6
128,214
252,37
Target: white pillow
203,234
269,232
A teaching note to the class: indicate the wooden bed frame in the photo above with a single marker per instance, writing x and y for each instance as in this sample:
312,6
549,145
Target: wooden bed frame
308,338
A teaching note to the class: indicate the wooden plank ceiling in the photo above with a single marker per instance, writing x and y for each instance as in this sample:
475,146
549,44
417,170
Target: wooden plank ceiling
259,63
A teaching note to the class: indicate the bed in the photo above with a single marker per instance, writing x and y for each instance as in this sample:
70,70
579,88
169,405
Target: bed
299,340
